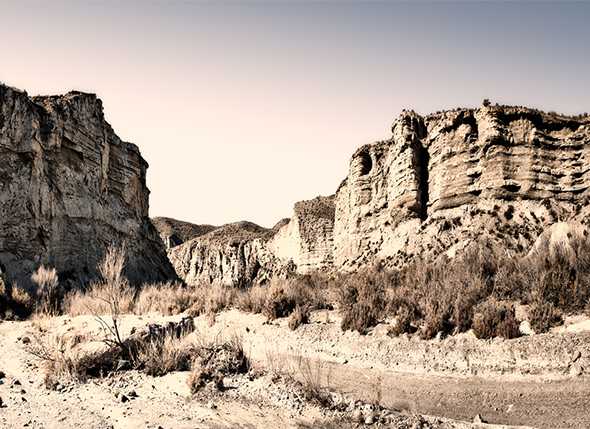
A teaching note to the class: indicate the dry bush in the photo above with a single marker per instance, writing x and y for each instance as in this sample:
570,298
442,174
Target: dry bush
495,319
314,376
162,355
361,299
15,301
100,298
252,300
211,299
216,360
62,362
544,316
284,295
164,298
300,316
49,294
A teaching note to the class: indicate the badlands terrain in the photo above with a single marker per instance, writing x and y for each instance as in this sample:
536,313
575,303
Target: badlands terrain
444,284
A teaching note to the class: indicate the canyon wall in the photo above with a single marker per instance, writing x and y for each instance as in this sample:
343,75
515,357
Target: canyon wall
499,172
69,188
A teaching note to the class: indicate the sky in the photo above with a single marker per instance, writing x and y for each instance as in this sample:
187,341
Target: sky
241,109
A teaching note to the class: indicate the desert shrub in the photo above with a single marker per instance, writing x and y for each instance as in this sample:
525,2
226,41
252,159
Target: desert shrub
544,316
252,299
560,274
314,377
101,299
61,360
162,355
211,299
49,294
299,317
216,360
495,319
164,298
284,295
14,301
361,299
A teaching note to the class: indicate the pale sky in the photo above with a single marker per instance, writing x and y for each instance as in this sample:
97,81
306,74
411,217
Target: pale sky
242,109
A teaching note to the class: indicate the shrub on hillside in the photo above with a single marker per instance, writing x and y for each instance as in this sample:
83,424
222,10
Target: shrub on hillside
361,299
544,316
495,319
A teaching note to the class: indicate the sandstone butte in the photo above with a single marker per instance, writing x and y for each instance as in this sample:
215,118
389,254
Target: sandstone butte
70,187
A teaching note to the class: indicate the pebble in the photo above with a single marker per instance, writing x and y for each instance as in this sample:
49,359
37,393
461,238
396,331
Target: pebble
576,370
2,374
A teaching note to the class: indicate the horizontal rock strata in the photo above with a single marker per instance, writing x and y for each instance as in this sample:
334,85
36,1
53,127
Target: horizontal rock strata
69,188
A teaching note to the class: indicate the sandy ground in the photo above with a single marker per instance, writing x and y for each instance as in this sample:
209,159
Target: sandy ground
536,381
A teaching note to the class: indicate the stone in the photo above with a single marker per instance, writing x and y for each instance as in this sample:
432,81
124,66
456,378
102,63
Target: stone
479,419
576,370
70,187
123,398
357,416
577,355
2,375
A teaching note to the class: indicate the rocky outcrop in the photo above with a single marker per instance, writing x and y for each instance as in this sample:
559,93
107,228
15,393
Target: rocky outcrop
69,187
232,255
175,232
307,239
451,177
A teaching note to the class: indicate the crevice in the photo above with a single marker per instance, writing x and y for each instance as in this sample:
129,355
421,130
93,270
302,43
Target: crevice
421,160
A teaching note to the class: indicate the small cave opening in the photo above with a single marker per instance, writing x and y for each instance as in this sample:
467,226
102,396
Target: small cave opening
365,163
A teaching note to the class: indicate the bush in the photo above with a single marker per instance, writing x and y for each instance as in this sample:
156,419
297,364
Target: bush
285,295
495,319
48,291
215,361
164,298
299,317
361,299
544,316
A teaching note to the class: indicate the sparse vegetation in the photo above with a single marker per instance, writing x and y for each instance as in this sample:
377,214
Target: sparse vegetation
495,319
48,291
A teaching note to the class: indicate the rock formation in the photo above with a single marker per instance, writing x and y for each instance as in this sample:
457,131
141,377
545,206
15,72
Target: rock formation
439,182
232,255
451,177
69,188
175,232
307,239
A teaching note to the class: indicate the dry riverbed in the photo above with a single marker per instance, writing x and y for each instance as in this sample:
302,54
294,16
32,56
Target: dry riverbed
536,381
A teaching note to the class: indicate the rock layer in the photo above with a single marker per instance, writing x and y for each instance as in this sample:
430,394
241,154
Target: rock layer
70,187
447,178
232,255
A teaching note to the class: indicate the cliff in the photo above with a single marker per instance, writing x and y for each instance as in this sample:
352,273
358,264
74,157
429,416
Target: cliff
69,187
232,255
174,232
455,176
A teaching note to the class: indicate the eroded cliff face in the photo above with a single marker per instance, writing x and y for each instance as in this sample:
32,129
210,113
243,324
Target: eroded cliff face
307,239
451,177
234,255
69,187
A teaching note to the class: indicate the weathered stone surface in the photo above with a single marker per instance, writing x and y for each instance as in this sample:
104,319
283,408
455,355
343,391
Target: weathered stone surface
451,177
175,232
232,255
69,187
307,239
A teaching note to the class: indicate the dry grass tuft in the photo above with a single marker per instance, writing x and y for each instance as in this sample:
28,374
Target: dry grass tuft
49,294
164,298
